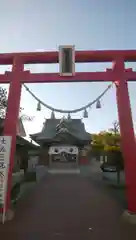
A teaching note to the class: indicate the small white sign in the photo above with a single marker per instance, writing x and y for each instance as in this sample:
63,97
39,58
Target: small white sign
5,146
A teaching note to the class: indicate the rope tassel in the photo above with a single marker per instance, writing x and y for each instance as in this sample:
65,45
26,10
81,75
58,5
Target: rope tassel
39,106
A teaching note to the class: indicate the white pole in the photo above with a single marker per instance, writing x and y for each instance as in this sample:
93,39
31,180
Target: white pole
5,145
106,159
101,159
5,194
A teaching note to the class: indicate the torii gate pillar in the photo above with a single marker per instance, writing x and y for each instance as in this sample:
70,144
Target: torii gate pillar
128,141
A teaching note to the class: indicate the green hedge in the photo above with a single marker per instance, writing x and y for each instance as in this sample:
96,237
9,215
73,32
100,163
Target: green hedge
15,192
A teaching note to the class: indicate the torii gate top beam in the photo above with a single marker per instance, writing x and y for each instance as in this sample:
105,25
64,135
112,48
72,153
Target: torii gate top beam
80,56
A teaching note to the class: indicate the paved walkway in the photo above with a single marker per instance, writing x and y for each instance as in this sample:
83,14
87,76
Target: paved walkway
68,207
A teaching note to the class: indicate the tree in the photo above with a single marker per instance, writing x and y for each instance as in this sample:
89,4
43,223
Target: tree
25,117
3,102
115,127
118,157
97,145
105,138
107,143
3,106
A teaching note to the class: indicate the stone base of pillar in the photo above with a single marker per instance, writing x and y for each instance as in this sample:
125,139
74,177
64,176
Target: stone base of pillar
129,217
8,216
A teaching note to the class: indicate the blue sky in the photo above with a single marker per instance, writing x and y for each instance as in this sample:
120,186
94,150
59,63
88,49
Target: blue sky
28,25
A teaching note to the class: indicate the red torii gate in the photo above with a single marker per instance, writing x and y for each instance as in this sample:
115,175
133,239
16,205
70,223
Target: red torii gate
117,74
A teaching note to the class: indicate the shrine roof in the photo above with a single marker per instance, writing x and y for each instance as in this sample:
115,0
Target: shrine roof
20,138
75,127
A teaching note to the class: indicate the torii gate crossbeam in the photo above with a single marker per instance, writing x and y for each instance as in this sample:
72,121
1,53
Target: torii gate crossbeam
117,74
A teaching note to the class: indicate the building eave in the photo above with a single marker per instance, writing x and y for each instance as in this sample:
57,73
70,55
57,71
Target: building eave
24,142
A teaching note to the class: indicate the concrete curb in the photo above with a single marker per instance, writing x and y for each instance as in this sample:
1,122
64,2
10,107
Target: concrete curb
129,217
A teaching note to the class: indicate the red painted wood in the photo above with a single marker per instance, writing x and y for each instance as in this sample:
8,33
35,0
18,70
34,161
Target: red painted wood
128,141
119,75
80,56
11,120
130,76
79,77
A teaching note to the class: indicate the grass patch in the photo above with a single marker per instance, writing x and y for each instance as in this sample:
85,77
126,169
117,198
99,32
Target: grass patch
15,192
19,188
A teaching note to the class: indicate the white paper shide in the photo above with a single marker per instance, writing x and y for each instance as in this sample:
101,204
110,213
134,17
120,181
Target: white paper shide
5,146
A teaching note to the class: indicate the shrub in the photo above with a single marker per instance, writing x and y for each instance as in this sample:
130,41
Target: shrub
111,148
15,191
30,177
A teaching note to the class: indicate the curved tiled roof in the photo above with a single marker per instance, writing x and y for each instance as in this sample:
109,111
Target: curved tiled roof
75,128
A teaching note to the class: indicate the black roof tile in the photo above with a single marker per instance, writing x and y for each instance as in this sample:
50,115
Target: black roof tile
75,127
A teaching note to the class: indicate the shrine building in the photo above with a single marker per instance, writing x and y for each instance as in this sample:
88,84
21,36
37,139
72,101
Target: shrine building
62,142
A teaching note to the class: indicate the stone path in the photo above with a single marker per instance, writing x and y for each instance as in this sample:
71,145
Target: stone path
68,207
